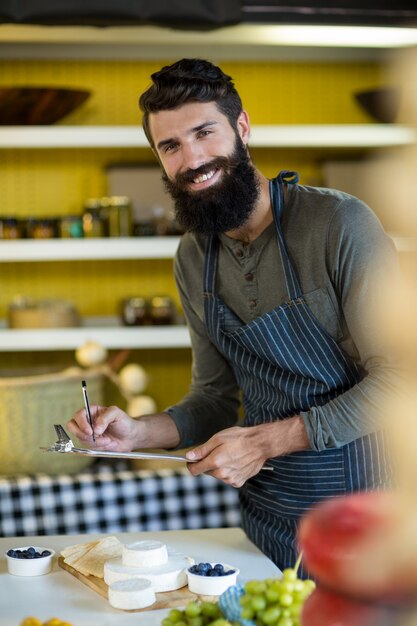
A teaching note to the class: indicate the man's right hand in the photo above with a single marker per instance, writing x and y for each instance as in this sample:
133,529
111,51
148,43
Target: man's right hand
113,428
115,431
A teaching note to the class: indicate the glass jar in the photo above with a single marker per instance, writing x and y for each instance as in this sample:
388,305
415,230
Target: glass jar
42,228
11,228
93,222
71,226
134,311
119,211
161,310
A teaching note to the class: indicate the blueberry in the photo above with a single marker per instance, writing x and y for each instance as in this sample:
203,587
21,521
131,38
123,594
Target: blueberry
219,568
31,550
11,552
213,572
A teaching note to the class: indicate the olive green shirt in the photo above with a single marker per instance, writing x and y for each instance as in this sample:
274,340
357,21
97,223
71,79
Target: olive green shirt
344,262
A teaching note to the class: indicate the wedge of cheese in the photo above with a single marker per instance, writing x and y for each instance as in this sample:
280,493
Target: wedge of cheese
145,553
166,577
131,594
89,559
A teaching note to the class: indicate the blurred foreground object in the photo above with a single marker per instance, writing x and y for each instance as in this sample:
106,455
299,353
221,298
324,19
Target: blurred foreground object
362,548
38,105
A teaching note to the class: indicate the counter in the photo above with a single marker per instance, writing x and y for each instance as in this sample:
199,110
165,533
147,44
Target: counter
59,594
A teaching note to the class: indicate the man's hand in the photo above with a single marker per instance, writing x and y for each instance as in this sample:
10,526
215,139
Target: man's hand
113,428
116,431
236,454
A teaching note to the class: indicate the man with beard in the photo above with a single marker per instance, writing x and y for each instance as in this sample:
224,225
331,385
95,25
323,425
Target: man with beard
277,281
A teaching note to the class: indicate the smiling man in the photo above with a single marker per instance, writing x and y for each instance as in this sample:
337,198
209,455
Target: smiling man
279,282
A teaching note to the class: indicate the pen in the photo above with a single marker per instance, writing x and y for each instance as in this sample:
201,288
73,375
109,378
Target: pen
87,407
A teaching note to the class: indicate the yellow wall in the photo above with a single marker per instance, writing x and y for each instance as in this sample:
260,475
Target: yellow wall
56,182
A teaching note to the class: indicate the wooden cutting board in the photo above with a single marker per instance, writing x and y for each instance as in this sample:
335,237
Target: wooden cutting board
166,600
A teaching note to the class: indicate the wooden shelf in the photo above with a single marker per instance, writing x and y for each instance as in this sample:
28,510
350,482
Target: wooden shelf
21,250
106,332
276,136
114,248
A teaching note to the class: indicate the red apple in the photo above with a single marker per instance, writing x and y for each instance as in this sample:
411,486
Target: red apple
353,545
325,608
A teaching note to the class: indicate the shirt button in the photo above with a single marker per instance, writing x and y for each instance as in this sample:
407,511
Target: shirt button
249,277
239,253
253,303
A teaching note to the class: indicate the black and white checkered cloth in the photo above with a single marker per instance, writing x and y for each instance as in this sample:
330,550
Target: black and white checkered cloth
114,499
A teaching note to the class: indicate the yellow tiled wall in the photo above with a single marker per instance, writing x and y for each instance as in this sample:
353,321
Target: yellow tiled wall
43,182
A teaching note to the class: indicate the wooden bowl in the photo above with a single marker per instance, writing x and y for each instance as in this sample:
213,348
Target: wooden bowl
38,105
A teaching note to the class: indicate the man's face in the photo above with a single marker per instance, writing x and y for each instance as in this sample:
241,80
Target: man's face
207,169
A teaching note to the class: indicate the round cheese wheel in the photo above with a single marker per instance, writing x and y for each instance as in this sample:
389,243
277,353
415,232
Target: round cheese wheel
144,554
131,594
167,577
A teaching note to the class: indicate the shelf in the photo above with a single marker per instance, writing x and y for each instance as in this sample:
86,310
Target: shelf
110,336
32,250
277,136
88,249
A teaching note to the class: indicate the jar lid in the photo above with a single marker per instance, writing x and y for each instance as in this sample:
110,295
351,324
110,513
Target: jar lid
161,301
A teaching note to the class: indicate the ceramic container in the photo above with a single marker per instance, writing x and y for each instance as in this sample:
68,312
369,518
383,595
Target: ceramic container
30,567
212,585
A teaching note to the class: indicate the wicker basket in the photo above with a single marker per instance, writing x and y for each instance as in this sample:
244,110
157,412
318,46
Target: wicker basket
29,408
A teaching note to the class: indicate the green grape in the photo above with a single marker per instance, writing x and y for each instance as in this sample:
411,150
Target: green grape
271,615
210,609
255,587
272,594
258,603
175,615
195,621
166,622
289,574
287,587
286,599
192,609
247,612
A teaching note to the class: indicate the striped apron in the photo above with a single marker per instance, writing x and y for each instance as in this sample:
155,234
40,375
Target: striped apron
285,362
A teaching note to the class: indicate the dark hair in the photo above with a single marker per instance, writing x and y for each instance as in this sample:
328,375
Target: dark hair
190,80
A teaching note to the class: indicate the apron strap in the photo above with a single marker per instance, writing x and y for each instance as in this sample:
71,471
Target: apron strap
277,202
210,265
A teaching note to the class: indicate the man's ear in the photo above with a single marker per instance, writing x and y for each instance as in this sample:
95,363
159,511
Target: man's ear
243,127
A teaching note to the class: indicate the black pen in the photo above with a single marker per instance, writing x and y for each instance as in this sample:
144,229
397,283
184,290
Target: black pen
87,407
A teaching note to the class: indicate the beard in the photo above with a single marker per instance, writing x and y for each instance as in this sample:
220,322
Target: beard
224,206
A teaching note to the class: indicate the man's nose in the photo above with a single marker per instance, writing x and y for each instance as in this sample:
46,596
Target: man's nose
192,157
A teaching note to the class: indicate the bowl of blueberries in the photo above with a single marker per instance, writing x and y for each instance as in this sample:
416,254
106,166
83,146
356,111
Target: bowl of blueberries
211,579
29,561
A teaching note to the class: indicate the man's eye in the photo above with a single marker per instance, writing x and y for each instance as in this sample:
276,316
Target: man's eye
170,147
204,133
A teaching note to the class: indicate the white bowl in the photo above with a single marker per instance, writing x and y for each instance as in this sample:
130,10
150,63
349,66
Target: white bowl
212,585
30,567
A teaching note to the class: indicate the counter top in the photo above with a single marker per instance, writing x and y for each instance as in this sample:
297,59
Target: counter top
59,594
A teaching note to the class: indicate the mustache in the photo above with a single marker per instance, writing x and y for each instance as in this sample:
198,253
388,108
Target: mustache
191,174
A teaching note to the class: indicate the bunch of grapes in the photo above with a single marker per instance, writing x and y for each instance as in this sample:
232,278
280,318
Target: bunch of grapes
276,602
197,614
